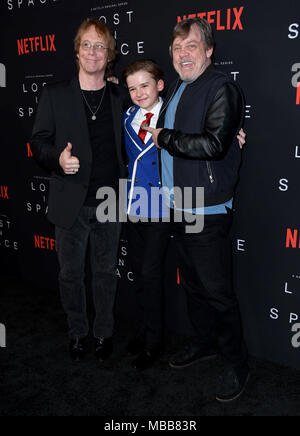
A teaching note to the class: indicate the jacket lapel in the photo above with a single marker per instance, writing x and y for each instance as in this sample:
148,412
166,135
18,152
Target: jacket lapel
130,130
117,113
149,142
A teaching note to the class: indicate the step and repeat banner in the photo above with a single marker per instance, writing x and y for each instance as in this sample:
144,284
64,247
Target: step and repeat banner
258,44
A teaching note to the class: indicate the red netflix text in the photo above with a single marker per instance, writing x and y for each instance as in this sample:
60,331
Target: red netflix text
29,152
44,243
4,192
230,19
36,44
292,238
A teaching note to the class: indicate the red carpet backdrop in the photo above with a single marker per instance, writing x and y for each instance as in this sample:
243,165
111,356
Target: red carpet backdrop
258,44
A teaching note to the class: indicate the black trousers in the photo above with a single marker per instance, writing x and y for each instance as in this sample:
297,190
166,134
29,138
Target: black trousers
205,261
148,244
103,240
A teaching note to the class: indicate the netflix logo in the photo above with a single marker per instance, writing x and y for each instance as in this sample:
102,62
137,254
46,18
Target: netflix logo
44,243
4,192
298,95
292,238
230,19
29,152
36,44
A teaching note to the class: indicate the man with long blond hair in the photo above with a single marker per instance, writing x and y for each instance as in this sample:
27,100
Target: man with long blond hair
77,135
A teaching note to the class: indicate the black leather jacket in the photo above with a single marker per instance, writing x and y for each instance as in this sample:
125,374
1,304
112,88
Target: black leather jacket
208,117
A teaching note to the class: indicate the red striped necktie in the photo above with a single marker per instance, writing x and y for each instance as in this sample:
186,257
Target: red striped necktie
143,133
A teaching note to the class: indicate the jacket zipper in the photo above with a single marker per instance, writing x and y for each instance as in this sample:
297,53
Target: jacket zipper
210,173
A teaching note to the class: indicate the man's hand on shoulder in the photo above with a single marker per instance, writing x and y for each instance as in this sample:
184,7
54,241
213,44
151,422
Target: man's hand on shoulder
155,133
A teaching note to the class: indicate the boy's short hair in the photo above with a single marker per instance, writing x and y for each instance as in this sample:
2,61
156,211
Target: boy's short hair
144,65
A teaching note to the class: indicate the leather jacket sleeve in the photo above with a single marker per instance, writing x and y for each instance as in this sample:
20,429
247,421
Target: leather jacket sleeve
223,121
42,140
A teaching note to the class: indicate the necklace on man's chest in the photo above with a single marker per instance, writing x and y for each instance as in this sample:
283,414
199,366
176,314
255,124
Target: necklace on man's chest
94,113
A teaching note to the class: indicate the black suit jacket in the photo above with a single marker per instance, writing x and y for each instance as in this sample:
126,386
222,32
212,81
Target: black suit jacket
61,118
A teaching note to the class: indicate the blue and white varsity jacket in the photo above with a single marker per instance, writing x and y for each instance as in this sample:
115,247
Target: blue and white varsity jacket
143,172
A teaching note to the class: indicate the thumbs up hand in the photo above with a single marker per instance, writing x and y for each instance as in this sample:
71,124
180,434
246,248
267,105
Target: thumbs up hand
70,164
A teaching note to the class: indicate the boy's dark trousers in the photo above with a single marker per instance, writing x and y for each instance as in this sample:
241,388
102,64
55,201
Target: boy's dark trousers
148,246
